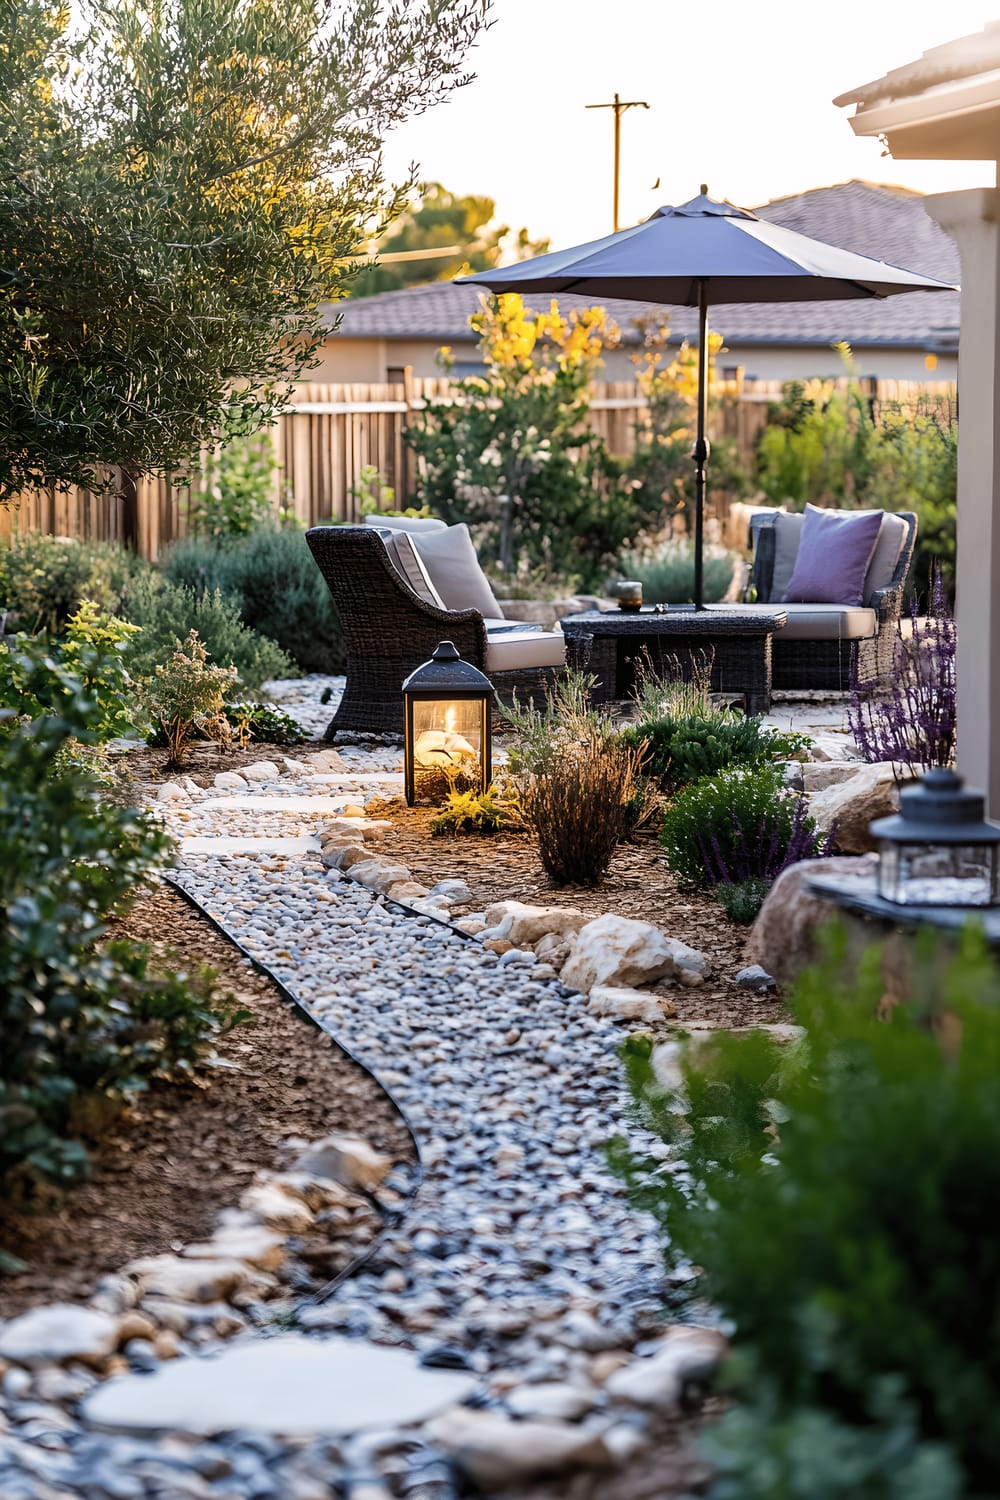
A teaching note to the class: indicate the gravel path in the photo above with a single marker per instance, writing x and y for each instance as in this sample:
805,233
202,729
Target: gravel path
519,1262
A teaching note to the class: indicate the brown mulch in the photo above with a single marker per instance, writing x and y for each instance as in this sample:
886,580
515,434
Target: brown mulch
638,884
167,1166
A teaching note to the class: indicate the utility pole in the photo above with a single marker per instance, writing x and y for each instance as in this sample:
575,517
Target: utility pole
619,106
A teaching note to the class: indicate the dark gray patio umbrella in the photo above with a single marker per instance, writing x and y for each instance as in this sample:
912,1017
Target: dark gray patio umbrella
699,253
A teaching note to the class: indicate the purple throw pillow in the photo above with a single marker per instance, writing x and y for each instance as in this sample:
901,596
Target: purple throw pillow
834,552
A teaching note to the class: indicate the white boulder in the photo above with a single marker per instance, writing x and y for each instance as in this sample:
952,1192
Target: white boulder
495,1451
523,924
614,950
60,1332
347,1159
377,874
629,1004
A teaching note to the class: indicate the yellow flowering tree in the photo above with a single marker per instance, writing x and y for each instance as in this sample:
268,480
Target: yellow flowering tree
511,450
661,467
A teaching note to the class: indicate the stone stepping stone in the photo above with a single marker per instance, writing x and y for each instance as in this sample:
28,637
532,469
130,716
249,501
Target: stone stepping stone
287,1385
234,843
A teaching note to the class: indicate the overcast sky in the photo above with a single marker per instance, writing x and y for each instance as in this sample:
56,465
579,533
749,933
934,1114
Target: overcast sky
739,96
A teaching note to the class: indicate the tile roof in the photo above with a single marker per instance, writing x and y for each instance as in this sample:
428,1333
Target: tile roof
887,223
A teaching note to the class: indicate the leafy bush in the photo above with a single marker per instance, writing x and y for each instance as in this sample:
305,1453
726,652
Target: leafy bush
685,748
476,812
80,1022
667,574
241,497
272,580
738,825
45,579
912,719
186,698
836,446
564,719
578,805
262,723
742,900
91,657
167,613
838,1195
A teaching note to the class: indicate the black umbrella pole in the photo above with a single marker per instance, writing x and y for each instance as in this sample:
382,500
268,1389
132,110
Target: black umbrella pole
701,448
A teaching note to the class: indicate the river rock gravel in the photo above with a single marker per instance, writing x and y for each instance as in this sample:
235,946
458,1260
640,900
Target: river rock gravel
518,1265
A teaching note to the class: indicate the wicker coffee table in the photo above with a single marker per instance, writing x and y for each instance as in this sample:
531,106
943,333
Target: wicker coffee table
680,641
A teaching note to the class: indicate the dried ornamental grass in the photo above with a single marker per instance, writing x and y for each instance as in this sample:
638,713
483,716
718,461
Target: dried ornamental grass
577,806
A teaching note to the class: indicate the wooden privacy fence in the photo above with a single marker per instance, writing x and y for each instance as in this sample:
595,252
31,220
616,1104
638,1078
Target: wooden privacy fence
331,432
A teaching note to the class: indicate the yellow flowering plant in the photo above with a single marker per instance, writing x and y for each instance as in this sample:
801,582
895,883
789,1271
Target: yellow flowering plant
511,450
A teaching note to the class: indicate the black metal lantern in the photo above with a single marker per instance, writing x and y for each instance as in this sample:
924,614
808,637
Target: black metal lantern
448,706
939,850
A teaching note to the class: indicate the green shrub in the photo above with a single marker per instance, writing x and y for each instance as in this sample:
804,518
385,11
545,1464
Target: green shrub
242,494
739,825
262,723
81,1023
91,656
44,580
564,719
272,579
839,1195
684,748
667,576
167,613
742,902
579,804
185,699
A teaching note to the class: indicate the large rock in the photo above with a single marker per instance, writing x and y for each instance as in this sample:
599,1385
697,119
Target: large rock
783,940
614,950
687,1353
817,775
287,1385
62,1331
628,1004
347,1159
377,874
853,804
495,1451
190,1280
523,924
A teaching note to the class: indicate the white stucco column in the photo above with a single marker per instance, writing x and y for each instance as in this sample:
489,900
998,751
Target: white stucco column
971,218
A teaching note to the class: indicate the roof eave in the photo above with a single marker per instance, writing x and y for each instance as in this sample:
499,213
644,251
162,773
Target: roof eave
959,121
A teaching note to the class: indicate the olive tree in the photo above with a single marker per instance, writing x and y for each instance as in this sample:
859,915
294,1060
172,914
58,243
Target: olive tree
183,185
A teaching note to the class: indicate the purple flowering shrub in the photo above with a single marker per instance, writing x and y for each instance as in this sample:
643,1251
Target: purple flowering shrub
743,825
911,720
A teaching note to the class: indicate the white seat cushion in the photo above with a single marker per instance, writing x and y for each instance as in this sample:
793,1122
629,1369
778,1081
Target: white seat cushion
450,559
513,650
827,622
501,627
406,523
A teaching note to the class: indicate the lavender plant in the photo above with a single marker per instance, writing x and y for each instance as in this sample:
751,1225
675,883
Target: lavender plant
743,824
911,721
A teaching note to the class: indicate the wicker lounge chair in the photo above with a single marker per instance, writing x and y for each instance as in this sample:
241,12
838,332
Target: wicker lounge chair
389,630
835,647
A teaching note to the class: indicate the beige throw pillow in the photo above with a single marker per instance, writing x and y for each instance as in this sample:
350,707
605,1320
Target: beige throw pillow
450,559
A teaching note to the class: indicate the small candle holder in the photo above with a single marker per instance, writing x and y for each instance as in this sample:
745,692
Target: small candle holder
629,592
